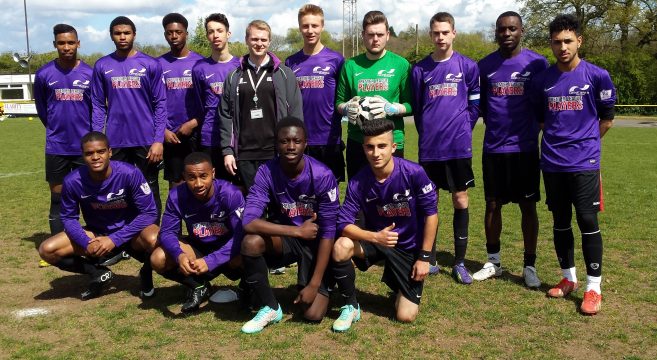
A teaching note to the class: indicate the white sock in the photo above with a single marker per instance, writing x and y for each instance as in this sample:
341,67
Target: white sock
494,258
570,274
593,283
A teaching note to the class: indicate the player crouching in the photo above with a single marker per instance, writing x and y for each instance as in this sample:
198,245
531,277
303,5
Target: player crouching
399,205
119,211
299,190
212,211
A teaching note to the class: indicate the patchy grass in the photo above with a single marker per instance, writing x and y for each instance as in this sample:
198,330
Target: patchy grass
494,319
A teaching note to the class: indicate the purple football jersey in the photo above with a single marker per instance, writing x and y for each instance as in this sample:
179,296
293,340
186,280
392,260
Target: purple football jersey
63,102
121,206
208,77
317,77
129,100
181,97
294,201
216,224
446,106
405,198
568,103
511,125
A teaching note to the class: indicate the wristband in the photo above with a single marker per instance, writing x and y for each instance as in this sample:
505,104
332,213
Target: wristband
424,255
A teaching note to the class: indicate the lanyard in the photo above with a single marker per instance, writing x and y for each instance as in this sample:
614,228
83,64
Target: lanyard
256,85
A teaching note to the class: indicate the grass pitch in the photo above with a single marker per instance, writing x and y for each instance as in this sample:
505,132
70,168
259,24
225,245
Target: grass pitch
494,319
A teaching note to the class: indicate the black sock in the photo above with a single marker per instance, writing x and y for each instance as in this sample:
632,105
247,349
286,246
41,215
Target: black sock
345,277
256,275
77,264
140,256
432,258
564,242
54,221
460,224
591,243
191,282
530,259
564,245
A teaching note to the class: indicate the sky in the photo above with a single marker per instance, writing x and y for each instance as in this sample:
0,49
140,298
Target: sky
91,18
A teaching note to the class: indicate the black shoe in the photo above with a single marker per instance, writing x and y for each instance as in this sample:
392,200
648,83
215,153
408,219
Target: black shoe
146,281
98,281
120,256
194,299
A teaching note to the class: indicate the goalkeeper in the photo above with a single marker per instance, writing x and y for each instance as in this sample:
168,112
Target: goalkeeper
379,79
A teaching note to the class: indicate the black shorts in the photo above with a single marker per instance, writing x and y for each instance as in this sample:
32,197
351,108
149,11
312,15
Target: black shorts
58,166
201,250
356,158
126,246
136,156
452,175
331,156
581,189
246,171
220,171
512,177
396,271
174,157
304,253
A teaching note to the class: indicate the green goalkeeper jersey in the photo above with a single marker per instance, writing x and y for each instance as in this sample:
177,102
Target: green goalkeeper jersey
387,77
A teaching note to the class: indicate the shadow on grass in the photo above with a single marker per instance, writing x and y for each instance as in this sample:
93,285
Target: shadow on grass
169,299
446,260
71,286
36,238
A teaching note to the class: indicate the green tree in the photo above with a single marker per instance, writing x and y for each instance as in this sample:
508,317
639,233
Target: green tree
392,31
294,40
590,13
197,40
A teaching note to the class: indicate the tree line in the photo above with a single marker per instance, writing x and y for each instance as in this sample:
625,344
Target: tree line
619,35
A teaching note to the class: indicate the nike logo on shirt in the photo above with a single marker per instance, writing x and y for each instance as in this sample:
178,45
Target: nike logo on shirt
53,83
108,71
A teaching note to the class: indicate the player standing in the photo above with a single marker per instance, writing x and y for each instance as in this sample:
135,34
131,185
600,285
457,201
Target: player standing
129,103
181,133
258,94
446,103
299,190
119,212
383,77
400,220
208,77
575,101
317,68
510,159
62,94
212,211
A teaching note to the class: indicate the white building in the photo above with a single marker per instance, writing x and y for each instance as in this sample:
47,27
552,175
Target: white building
15,87
16,94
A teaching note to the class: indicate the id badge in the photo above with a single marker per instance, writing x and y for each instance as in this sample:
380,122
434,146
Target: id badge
256,114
